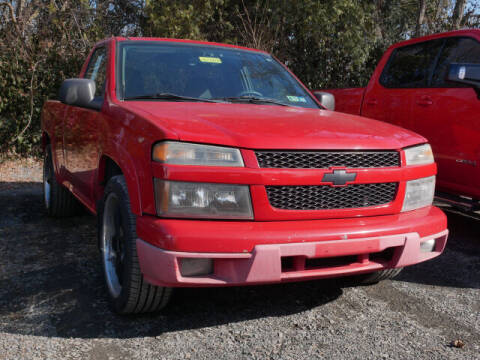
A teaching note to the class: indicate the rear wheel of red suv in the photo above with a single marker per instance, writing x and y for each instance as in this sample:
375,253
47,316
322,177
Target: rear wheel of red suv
128,291
58,201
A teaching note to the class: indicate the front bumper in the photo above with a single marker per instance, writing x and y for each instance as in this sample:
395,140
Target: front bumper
259,253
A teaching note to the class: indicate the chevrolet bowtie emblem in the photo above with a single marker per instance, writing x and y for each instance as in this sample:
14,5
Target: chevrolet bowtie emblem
339,177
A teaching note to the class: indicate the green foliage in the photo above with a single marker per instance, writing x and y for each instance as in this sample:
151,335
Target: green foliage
197,19
330,43
42,43
333,52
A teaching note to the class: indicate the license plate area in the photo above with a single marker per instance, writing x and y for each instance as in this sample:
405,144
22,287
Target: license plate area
301,263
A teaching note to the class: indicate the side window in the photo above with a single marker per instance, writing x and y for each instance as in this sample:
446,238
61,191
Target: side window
410,66
97,70
456,50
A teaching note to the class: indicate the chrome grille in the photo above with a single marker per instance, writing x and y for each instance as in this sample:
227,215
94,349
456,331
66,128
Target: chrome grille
325,197
327,159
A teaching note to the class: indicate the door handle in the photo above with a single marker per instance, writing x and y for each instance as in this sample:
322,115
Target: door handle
372,102
425,101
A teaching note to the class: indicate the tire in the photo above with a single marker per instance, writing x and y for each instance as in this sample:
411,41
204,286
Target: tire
58,200
128,291
377,276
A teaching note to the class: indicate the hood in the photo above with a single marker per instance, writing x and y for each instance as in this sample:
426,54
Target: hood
271,126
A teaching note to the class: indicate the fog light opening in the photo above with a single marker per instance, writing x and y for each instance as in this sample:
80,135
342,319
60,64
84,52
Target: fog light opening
427,246
195,266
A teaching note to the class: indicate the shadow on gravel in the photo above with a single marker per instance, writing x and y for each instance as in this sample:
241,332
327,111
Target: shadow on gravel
459,265
51,282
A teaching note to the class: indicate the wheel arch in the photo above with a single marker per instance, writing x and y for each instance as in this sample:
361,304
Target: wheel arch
108,167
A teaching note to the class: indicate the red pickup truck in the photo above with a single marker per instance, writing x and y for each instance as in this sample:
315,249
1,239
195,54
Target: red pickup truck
213,165
431,85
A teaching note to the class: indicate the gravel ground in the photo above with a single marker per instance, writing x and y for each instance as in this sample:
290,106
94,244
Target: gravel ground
53,304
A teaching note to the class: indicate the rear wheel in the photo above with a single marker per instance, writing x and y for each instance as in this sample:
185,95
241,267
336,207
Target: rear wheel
377,276
128,291
58,201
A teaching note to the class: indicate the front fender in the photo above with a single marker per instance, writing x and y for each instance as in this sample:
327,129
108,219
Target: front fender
126,164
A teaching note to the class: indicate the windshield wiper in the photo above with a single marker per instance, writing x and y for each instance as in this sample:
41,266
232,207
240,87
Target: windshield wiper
168,96
252,100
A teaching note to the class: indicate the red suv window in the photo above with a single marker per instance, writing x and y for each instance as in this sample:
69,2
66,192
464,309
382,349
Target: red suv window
410,66
425,64
455,50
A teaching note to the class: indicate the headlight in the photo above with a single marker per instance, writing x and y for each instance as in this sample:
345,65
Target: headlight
419,155
419,193
180,153
202,200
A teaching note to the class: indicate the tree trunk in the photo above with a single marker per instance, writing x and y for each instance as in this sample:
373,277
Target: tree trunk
421,17
379,25
458,13
19,9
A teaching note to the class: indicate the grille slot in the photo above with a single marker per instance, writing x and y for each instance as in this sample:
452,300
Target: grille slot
327,159
325,197
384,256
319,263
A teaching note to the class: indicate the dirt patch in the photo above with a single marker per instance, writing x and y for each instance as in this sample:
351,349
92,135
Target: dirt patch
15,174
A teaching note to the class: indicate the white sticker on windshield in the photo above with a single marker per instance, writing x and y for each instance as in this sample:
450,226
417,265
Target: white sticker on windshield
296,98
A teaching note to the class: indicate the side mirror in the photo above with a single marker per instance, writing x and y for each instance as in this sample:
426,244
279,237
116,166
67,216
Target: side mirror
326,99
468,74
79,92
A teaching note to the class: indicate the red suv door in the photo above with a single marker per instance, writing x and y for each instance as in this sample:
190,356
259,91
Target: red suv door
448,115
405,73
384,102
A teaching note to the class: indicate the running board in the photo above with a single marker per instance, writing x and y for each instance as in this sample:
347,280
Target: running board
459,202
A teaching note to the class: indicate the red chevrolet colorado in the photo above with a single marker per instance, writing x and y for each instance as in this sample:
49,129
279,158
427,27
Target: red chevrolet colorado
213,165
431,85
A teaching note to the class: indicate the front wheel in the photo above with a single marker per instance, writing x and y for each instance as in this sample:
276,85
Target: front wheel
377,276
128,291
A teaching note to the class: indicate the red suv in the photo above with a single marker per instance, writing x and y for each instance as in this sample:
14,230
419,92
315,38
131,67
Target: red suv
212,165
430,85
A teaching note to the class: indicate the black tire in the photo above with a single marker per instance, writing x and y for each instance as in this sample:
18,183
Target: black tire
377,276
58,200
117,239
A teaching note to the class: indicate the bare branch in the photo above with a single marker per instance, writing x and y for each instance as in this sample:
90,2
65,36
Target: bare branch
80,32
12,14
257,30
29,122
11,9
421,17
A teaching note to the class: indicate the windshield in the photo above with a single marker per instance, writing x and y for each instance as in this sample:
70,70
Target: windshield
156,71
